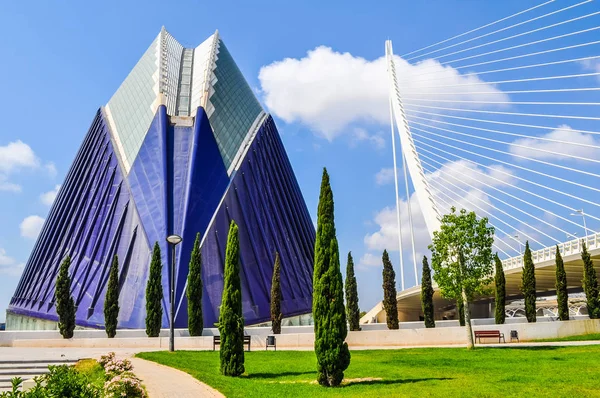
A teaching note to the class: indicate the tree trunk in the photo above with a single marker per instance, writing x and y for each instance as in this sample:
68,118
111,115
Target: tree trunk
470,342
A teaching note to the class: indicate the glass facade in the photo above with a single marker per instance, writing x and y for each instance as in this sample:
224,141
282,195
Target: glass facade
235,106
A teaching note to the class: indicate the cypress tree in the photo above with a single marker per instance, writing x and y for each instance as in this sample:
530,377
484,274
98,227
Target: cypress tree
194,291
65,306
562,296
333,356
460,309
427,295
528,284
111,301
154,295
500,281
352,310
390,302
590,283
231,321
276,314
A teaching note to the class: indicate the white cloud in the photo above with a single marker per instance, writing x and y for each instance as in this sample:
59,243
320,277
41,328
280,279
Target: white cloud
47,198
370,260
9,265
460,173
362,135
7,185
385,176
16,156
31,226
591,65
531,147
51,169
328,90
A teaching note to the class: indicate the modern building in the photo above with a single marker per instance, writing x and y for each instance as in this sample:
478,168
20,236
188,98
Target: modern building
183,147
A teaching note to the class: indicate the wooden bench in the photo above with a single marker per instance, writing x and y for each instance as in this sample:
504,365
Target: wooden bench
217,341
479,334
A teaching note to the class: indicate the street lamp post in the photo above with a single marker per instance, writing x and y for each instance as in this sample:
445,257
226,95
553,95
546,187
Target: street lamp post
582,214
173,240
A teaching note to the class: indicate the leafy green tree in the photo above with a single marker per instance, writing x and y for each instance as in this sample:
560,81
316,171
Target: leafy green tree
65,306
154,294
427,295
500,282
111,301
333,356
590,284
390,300
562,296
362,313
194,291
276,314
352,310
461,256
231,321
528,284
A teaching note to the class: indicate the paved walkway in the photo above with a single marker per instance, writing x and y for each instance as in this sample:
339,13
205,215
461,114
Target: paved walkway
165,382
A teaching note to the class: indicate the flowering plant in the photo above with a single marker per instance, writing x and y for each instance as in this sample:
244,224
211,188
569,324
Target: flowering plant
124,385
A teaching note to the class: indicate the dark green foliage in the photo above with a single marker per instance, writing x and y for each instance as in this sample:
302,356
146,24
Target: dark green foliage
66,381
352,310
231,321
460,311
362,313
528,284
111,301
590,284
276,314
500,282
427,295
194,291
562,296
390,302
333,356
154,295
65,306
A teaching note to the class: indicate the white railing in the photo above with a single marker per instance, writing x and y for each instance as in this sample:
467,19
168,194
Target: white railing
548,253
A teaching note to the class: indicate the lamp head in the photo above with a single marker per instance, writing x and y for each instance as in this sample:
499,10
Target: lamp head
174,239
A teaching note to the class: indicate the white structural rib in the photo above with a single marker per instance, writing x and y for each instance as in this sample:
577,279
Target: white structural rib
479,28
507,28
422,190
410,219
544,186
397,197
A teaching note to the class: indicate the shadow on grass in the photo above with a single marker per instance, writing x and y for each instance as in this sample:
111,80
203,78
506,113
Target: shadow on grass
529,348
394,381
278,375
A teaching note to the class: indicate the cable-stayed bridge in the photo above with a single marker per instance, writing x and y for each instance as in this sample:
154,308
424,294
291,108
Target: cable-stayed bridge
502,120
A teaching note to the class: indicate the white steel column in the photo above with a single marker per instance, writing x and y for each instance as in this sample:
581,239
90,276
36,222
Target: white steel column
413,163
397,198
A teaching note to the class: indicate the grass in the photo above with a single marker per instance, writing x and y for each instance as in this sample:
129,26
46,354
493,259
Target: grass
579,337
427,372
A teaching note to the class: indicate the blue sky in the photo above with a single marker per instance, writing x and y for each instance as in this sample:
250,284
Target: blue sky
63,60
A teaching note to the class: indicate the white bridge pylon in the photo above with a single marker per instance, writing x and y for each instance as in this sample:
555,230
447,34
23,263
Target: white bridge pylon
410,160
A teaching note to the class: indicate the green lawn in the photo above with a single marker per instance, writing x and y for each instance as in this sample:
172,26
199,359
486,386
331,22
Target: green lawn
579,337
423,372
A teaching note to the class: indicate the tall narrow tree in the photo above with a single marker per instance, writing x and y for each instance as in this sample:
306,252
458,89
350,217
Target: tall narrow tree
352,310
111,301
333,356
427,295
231,321
562,296
194,291
65,306
590,284
528,285
390,301
500,282
154,294
276,314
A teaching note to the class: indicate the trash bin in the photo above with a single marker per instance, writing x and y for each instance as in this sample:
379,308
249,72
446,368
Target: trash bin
271,342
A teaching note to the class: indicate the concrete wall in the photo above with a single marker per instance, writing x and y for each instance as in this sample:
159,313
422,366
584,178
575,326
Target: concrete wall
302,337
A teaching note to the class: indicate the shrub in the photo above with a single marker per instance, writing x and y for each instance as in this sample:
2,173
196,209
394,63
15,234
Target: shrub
113,366
124,385
66,381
